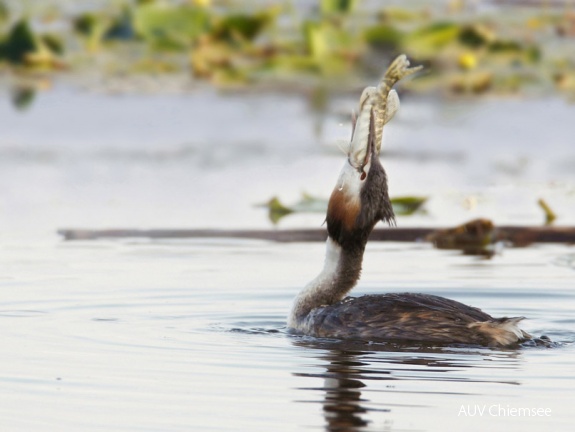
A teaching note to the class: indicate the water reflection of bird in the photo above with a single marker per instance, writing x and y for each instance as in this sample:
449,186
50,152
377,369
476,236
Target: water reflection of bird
366,383
360,200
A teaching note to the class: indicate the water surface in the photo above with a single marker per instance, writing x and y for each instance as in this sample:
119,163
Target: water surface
185,335
140,335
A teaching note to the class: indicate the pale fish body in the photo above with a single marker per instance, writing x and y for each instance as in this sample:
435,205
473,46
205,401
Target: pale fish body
384,101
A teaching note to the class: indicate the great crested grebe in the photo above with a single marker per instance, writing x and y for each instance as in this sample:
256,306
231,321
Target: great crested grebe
359,200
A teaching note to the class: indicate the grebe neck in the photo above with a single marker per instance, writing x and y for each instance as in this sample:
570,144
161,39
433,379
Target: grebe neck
341,271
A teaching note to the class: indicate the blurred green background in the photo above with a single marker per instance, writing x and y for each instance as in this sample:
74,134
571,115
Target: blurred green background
469,48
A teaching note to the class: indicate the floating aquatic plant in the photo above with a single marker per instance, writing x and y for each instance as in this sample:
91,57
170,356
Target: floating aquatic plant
476,237
402,206
22,47
165,26
22,97
465,55
19,43
550,215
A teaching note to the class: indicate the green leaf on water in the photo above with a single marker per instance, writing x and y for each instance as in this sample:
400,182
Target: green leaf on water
85,23
276,210
19,43
383,36
53,43
240,26
328,7
333,49
505,46
398,14
24,48
170,27
22,97
402,206
4,12
407,205
426,41
550,215
93,27
475,35
122,27
317,39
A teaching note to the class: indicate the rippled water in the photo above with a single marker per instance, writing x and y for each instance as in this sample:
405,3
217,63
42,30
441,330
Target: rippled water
140,335
185,335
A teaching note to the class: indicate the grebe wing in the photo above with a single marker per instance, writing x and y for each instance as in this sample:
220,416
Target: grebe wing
414,317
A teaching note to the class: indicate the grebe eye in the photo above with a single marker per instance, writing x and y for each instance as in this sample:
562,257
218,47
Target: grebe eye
363,175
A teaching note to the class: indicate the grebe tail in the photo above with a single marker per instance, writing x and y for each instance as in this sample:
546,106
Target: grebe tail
359,200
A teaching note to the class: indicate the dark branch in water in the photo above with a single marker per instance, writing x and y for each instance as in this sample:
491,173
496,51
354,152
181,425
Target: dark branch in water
518,235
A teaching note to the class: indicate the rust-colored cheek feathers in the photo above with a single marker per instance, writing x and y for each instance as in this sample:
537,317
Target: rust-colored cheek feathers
342,216
343,209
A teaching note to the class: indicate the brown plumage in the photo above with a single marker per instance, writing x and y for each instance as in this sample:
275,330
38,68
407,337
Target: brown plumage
412,317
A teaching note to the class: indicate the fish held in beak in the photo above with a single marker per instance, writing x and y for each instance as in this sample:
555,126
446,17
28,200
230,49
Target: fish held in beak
384,102
366,119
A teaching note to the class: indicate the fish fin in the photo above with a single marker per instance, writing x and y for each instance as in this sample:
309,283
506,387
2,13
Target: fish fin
392,106
344,146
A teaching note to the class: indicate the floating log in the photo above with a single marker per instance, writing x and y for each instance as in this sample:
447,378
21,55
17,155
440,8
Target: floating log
518,235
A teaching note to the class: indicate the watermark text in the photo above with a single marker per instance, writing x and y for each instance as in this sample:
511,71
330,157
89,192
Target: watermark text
499,410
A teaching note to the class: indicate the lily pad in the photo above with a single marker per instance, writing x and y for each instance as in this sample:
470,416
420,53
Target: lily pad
244,27
93,27
331,47
407,205
22,97
383,36
169,27
276,210
337,6
53,43
4,12
426,41
475,36
19,43
122,28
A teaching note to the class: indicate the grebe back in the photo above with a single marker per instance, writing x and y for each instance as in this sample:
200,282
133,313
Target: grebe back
359,200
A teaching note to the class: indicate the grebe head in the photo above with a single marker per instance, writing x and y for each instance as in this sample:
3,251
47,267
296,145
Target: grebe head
360,198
